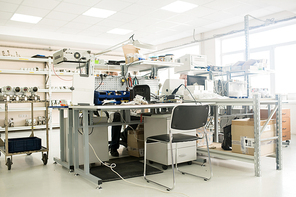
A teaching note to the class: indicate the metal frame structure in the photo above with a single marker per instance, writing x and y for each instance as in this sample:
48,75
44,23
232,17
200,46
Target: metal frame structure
4,146
256,159
255,102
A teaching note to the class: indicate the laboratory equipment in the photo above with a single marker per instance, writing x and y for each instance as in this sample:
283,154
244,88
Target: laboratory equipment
191,63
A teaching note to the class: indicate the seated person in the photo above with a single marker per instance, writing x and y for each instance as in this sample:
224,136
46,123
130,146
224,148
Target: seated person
116,135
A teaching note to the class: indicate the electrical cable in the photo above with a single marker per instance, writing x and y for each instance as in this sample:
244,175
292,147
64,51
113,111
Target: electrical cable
58,76
113,165
100,83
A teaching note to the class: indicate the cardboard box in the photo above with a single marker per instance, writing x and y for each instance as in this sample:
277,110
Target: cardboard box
202,142
242,131
129,51
135,142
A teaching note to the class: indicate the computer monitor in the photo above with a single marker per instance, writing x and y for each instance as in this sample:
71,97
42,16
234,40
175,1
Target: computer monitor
192,79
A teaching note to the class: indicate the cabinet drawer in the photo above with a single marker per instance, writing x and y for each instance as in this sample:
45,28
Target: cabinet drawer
264,113
285,124
286,135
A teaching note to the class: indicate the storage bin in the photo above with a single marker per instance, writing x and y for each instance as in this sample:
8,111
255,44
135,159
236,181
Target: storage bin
24,144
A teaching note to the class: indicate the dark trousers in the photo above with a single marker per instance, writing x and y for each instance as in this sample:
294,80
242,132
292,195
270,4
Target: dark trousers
115,131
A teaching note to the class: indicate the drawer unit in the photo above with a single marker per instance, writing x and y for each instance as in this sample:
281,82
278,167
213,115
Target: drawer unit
286,128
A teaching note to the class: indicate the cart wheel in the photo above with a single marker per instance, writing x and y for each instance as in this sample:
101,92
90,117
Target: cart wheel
44,158
29,153
189,162
165,167
9,163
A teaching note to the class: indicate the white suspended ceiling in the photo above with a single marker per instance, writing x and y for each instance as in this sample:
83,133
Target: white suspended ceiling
63,23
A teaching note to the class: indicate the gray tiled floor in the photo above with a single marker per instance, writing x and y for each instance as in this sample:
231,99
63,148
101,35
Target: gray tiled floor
29,177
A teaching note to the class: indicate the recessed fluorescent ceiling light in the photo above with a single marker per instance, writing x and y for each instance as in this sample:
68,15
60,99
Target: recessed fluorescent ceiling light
100,13
119,31
179,6
25,18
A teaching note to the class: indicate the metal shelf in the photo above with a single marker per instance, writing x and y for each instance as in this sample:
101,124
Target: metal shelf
24,59
24,128
62,73
23,72
145,65
24,109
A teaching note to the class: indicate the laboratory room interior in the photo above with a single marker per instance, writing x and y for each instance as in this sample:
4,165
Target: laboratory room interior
178,98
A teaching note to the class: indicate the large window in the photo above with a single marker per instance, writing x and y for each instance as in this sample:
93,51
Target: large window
277,45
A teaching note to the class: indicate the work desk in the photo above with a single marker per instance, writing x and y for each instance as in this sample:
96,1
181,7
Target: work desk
87,111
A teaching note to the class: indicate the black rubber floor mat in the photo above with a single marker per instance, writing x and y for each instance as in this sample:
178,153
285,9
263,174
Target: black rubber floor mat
127,169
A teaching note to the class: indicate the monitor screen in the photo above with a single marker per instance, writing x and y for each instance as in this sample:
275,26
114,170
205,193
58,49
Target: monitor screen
196,79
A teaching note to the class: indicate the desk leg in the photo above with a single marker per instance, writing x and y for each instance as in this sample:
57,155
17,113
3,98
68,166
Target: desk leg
70,140
86,141
216,133
75,132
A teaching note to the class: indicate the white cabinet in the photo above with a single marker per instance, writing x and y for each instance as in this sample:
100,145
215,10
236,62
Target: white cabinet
160,152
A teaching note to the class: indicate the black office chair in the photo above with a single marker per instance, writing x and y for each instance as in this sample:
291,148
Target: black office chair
184,117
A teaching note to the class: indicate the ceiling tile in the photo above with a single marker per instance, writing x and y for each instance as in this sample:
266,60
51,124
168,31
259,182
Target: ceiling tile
217,16
87,19
43,4
84,2
216,25
165,24
139,9
12,1
32,11
198,2
260,12
42,27
181,27
124,17
52,22
19,24
242,9
2,22
71,8
61,16
200,22
99,28
89,33
180,18
145,20
200,11
8,7
67,30
162,14
221,4
114,5
134,26
111,23
156,3
233,20
6,15
77,26
274,8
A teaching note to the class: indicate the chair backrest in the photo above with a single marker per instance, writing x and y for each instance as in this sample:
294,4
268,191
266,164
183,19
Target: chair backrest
186,117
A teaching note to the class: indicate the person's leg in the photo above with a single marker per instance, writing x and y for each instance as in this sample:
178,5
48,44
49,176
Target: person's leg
124,133
115,135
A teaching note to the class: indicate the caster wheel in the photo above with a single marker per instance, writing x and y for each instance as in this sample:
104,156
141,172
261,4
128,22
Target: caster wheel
8,163
168,189
205,179
148,181
76,174
29,153
44,158
151,162
70,171
54,162
99,187
183,173
164,167
189,162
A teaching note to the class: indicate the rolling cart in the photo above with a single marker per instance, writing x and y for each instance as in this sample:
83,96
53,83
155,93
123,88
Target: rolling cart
25,145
